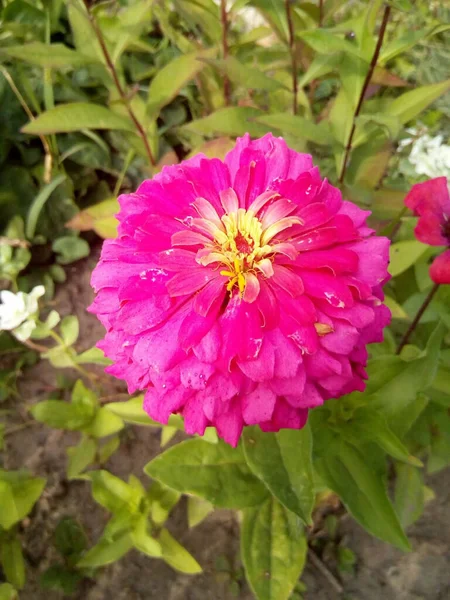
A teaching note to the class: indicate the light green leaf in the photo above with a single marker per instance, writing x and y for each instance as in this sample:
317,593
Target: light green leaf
274,13
215,472
11,559
321,65
143,541
132,411
410,104
362,490
283,462
197,510
76,116
70,248
298,127
400,44
107,551
233,121
69,328
7,592
107,449
52,56
104,423
176,556
167,433
409,494
243,75
162,500
273,549
111,492
404,254
170,79
80,457
8,515
93,356
60,357
25,490
325,42
62,415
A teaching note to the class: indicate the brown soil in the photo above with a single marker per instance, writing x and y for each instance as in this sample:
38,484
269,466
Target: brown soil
381,573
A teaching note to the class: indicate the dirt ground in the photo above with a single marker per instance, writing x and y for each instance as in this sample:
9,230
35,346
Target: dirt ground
381,572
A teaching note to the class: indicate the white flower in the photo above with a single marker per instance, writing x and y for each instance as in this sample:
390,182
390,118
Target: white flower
430,156
18,311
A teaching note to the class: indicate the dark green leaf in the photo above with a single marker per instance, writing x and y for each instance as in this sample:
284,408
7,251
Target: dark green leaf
409,494
273,549
215,472
70,249
283,462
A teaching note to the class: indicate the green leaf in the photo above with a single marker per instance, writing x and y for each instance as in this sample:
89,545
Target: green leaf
243,75
410,104
76,116
99,217
52,56
132,411
273,549
11,559
197,510
345,470
62,415
80,457
367,424
409,494
404,254
106,450
143,541
274,13
60,357
324,42
298,127
176,556
70,249
8,515
38,204
70,539
7,592
107,551
111,492
69,328
283,462
60,579
215,472
25,490
162,500
104,423
93,356
233,121
170,79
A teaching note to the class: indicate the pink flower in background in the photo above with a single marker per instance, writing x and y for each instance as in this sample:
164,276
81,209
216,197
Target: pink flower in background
431,202
241,292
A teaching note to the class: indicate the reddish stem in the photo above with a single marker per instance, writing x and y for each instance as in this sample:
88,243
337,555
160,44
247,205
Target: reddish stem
293,56
224,20
417,318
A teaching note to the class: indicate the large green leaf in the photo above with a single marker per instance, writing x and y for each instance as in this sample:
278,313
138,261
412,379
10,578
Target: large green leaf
62,415
345,470
18,492
76,116
233,120
170,79
107,551
410,104
104,423
404,254
295,126
324,42
7,592
243,75
48,55
111,492
283,461
215,472
273,549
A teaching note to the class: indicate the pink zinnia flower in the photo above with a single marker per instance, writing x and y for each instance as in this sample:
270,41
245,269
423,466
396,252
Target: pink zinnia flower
431,202
241,292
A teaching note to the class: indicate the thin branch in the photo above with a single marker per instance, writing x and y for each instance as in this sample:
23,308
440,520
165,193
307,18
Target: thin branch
417,318
320,566
122,93
320,13
287,4
372,66
224,21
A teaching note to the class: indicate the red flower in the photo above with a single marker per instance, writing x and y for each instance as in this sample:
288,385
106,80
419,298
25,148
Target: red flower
430,201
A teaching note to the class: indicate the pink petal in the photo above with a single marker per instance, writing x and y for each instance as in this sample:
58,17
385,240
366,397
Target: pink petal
213,292
195,374
176,259
429,229
229,425
430,196
229,201
207,350
252,287
338,260
189,281
327,287
189,238
241,330
261,368
287,280
342,340
440,268
258,406
195,420
268,306
276,211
